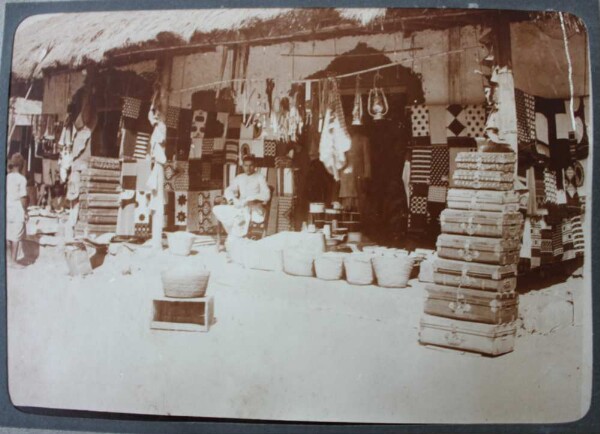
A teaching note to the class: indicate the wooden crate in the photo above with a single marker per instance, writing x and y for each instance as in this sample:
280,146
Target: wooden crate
182,314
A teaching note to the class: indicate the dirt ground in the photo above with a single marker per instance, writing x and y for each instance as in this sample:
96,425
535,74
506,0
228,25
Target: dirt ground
282,347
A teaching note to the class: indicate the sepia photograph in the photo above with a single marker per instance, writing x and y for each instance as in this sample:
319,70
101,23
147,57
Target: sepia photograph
350,215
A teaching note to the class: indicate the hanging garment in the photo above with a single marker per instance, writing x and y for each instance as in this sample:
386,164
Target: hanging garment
335,140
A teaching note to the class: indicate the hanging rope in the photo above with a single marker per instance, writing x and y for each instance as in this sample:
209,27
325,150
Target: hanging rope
350,74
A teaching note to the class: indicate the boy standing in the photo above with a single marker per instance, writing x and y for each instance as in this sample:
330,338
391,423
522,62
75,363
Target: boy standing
16,207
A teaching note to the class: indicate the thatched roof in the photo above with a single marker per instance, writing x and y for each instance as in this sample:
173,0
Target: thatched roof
76,39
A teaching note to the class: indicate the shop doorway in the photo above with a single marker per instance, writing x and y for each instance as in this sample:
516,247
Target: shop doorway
384,209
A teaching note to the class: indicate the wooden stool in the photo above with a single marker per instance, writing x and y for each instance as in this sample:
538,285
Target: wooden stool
183,314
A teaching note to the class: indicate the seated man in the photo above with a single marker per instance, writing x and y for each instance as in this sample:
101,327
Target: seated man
246,197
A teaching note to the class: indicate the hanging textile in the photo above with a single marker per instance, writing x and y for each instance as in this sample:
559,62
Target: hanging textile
335,140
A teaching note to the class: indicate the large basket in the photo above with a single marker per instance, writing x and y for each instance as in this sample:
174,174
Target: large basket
180,243
393,271
359,269
298,262
185,282
330,266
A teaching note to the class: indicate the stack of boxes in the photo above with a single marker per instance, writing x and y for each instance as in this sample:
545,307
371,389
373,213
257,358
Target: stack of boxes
472,305
100,187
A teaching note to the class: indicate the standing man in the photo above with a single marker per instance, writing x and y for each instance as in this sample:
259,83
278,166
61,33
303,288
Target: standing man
246,197
16,207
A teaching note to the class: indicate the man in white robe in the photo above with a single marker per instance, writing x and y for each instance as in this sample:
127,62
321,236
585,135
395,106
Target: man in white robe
246,197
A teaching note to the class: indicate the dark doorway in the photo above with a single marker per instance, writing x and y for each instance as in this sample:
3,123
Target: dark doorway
384,215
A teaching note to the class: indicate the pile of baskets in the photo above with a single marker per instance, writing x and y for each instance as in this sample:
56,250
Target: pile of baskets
390,268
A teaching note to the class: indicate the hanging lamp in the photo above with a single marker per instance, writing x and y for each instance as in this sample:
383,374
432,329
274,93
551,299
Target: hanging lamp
378,105
357,110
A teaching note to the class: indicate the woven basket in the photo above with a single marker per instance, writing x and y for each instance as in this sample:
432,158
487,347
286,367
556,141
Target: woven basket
393,271
180,243
330,266
185,282
298,263
359,269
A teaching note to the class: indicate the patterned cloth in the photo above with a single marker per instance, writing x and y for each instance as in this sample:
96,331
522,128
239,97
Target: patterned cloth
207,146
232,149
181,208
550,186
270,148
420,167
419,115
525,107
418,198
142,210
456,121
475,120
196,148
198,123
131,107
129,175
437,194
234,125
557,245
142,145
172,120
181,181
170,171
439,165
284,213
578,238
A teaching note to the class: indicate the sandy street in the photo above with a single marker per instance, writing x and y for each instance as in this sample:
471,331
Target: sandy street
282,347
